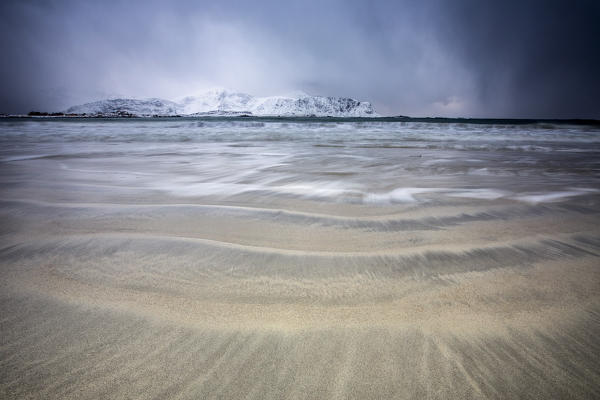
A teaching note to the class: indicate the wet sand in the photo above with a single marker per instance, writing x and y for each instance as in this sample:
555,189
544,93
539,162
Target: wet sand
108,290
171,300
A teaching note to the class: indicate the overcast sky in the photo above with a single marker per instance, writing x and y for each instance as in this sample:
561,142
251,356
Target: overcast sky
472,58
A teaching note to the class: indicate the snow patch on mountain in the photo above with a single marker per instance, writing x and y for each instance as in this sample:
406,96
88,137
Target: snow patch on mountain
146,107
301,104
224,102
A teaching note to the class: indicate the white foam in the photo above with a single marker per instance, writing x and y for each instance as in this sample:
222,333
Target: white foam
436,161
486,194
554,196
311,190
208,189
188,187
479,171
400,195
23,158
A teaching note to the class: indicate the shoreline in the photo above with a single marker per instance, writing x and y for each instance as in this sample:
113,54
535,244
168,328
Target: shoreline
300,118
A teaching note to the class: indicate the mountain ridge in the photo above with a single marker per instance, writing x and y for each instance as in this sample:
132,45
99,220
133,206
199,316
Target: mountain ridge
224,102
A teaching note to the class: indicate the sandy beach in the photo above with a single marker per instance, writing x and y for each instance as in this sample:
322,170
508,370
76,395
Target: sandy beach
111,290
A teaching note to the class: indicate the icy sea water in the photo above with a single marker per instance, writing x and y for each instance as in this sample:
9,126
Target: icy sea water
368,161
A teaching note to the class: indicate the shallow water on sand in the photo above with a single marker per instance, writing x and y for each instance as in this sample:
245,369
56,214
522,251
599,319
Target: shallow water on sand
286,258
369,162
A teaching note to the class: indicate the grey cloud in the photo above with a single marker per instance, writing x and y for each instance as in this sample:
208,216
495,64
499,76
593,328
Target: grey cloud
471,58
528,58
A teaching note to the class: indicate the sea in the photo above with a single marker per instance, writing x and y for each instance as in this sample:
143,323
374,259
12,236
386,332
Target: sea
345,160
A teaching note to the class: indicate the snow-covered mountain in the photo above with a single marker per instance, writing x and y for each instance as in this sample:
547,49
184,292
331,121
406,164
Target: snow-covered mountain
223,102
300,104
117,107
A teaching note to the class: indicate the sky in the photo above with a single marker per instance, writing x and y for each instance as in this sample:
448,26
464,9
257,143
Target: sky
471,58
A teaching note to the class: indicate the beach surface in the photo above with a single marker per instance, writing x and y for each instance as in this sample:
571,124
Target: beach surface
271,260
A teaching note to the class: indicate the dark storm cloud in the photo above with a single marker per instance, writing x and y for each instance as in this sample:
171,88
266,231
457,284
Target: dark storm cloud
528,58
473,58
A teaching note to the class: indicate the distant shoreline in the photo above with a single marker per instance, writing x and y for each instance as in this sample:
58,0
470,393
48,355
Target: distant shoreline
461,120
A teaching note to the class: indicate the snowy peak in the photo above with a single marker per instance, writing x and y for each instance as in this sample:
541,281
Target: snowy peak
224,102
124,107
313,105
216,100
296,104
